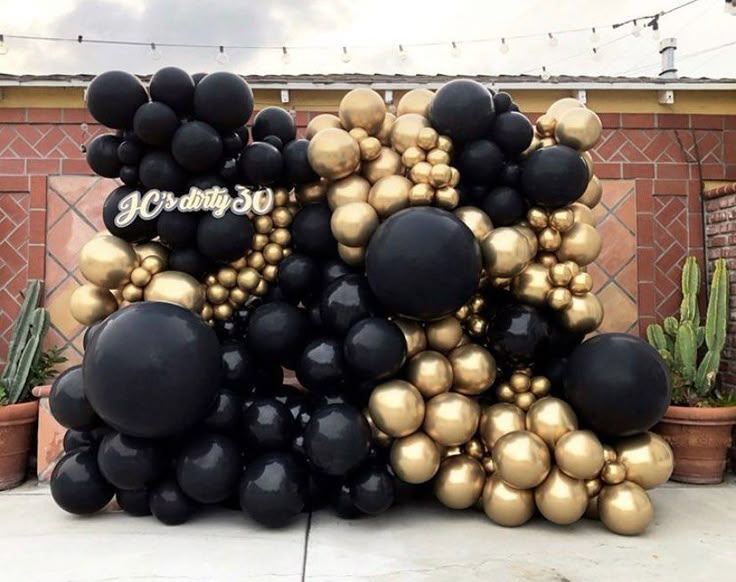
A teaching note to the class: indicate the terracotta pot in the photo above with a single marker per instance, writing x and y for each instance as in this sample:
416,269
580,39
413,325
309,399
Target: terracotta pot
700,439
17,425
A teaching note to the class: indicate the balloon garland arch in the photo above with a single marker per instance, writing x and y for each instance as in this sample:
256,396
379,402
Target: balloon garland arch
423,273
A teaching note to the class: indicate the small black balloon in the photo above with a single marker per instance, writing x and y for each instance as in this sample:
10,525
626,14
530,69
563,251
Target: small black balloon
502,102
267,425
554,176
129,462
177,228
278,332
321,364
223,100
174,87
77,439
113,98
196,146
296,164
344,302
225,414
260,164
102,155
134,502
480,162
514,106
311,231
232,143
197,77
208,468
512,132
274,121
139,230
244,133
372,490
333,269
343,504
337,438
159,170
77,485
299,277
517,332
463,110
274,141
503,205
375,349
68,401
130,151
190,261
224,239
155,123
239,366
169,504
129,175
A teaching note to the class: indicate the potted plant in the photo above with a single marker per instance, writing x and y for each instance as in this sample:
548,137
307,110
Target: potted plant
699,421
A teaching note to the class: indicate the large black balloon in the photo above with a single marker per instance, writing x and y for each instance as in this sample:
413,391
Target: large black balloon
273,488
480,162
174,87
299,277
463,110
196,146
223,100
77,485
225,414
372,490
169,504
134,502
337,438
517,332
238,366
277,332
68,402
423,263
129,462
311,231
102,155
189,260
155,123
512,132
618,384
274,121
375,349
208,468
260,164
267,425
152,370
176,228
344,302
554,176
503,205
224,239
321,365
113,98
139,230
296,164
159,170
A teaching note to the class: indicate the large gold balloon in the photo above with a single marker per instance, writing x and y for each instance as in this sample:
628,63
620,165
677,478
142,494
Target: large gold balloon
532,284
459,482
506,252
384,134
451,419
415,101
550,418
531,238
354,188
506,505
581,244
362,108
308,193
107,261
593,193
522,459
476,220
353,224
444,334
583,314
397,408
90,303
387,163
430,372
176,287
579,454
473,368
322,121
561,499
414,336
579,128
415,458
389,195
152,249
562,106
647,458
499,420
333,154
405,131
625,508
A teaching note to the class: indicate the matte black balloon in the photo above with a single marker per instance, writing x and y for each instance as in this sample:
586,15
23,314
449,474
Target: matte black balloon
77,439
134,502
239,366
223,100
267,425
159,170
311,232
102,155
174,87
169,504
333,269
68,401
480,162
511,174
178,229
274,141
130,151
275,293
224,239
329,396
517,332
372,490
196,146
90,332
232,144
273,488
113,98
337,438
225,414
260,164
561,341
129,175
502,102
618,384
274,121
139,230
152,370
463,110
189,260
77,485
503,205
278,332
472,193
155,123
346,301
299,277
244,133
321,365
512,132
418,275
554,176
343,503
129,462
268,377
375,349
296,165
208,468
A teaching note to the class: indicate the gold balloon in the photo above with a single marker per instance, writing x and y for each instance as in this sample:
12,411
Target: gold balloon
322,121
248,279
358,134
560,274
377,435
584,313
593,487
455,178
506,252
579,454
546,125
588,159
153,264
333,154
488,465
107,261
549,239
281,217
582,213
428,139
405,131
414,336
579,128
498,420
562,106
140,277
90,303
476,220
473,368
532,284
438,156
581,244
430,372
389,195
609,454
459,482
313,192
387,163
550,418
421,195
397,408
238,296
273,253
525,400
522,459
207,312
613,473
384,134
420,172
445,144
270,273
475,448
647,458
415,458
439,175
353,256
447,197
370,148
131,293
223,311
561,499
227,277
625,509
506,505
259,242
540,386
176,287
581,283
216,294
362,108
559,298
593,193
415,101
154,249
354,188
504,392
261,288
451,419
444,334
353,224
530,236
281,196
562,219
412,156
520,382
591,511
263,224
281,236
538,218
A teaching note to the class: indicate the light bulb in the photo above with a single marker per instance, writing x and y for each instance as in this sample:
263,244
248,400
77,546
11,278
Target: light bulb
552,39
504,48
345,57
636,30
222,57
403,55
545,74
285,56
155,53
455,49
3,46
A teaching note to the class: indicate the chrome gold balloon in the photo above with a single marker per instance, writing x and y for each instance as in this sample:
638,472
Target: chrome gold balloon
440,175
412,156
451,419
155,249
107,261
415,101
459,482
447,197
430,372
625,509
362,108
248,279
333,154
420,172
522,459
532,284
474,448
405,131
506,505
582,213
397,408
506,252
561,499
443,334
550,418
546,125
613,473
562,219
131,293
314,192
562,106
176,287
354,223
473,368
437,156
140,277
428,140
581,244
414,336
530,236
583,314
216,294
387,163
322,121
593,193
498,420
415,458
377,435
579,128
389,195
370,148
384,134
90,303
476,220
581,283
354,188
549,239
647,458
579,454
353,256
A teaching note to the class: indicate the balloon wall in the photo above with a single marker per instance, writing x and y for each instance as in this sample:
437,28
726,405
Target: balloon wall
422,273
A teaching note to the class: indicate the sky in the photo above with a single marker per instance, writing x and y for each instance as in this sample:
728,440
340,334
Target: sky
314,32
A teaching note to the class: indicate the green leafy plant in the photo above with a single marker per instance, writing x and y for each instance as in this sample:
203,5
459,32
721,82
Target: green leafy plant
692,351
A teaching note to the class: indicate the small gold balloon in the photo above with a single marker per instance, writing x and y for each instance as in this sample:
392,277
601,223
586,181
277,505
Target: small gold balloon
475,448
625,509
546,125
525,400
593,487
415,458
353,256
414,336
358,134
445,144
140,277
447,197
131,293
506,505
333,154
90,303
362,108
476,220
451,452
505,393
584,313
593,193
438,156
581,283
263,224
107,261
549,239
256,261
248,279
261,289
227,277
387,163
444,334
581,244
550,418
223,311
540,386
647,458
269,273
155,249
562,106
477,326
389,195
415,101
538,218
613,473
421,195
207,312
353,224
430,372
153,264
259,242
532,284
238,296
377,435
405,131
559,298
588,159
560,498
427,139
451,419
420,172
473,368
579,454
216,294
582,213
280,236
522,459
547,141
488,465
455,176
439,175
313,192
384,134
549,260
535,144
498,420
412,156
459,482
179,288
397,408
609,454
560,274
210,280
322,121
506,252
370,148
562,219
281,217
519,382
280,197
579,128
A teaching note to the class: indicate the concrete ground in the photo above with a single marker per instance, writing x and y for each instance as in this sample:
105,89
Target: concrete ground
693,538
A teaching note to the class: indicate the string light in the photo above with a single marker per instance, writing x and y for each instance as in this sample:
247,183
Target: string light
552,39
222,57
3,46
155,53
285,56
504,48
455,51
594,36
403,55
345,57
636,30
545,74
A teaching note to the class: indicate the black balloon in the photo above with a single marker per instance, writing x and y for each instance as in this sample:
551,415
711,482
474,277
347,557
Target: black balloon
113,98
139,230
511,174
169,504
159,170
102,155
333,269
232,143
225,414
205,181
90,332
77,485
129,175
208,468
227,330
224,239
278,332
274,141
274,121
513,132
155,123
174,87
480,162
68,401
267,425
344,302
130,151
321,364
311,232
375,349
177,228
343,504
554,176
197,77
517,332
196,146
337,438
372,490
299,277
189,260
77,439
129,462
502,102
618,384
463,110
296,165
260,164
223,100
238,366
133,502
503,205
